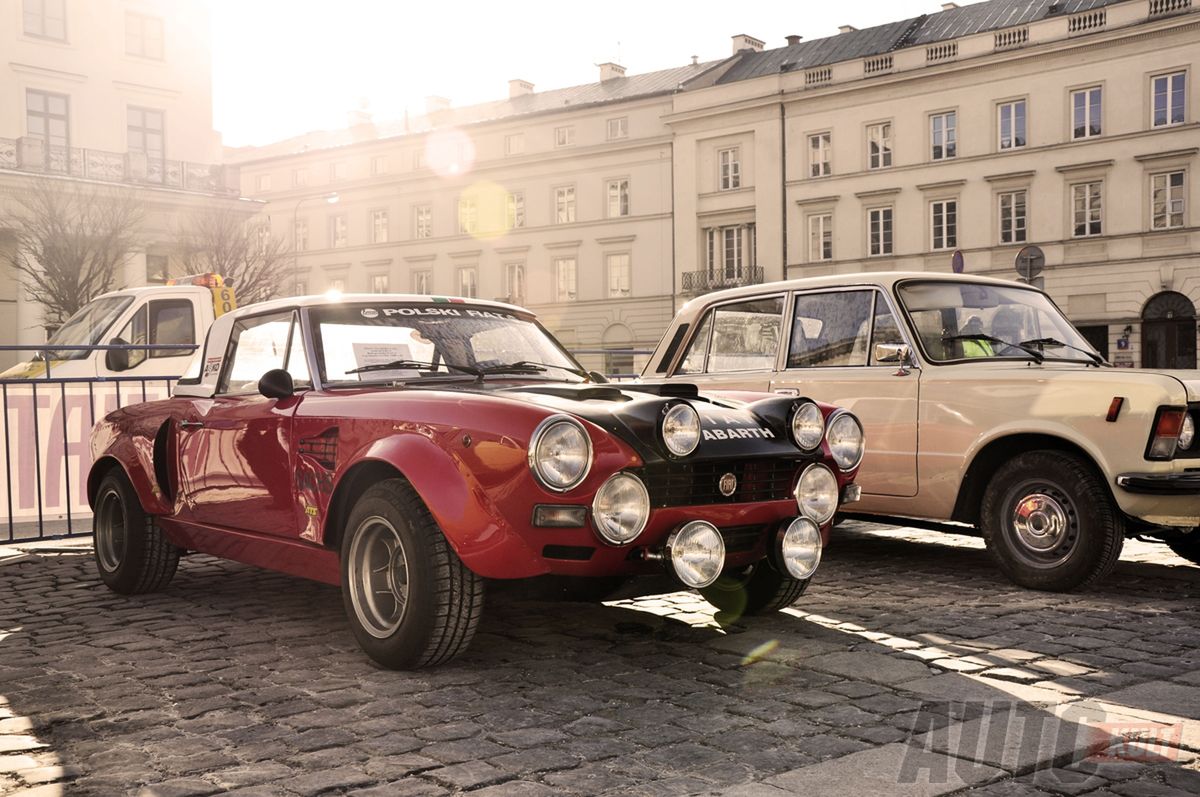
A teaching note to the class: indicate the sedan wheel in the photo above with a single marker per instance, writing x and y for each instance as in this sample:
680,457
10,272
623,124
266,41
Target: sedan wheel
132,556
378,577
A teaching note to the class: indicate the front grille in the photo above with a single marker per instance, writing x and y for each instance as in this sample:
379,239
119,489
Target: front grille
695,483
572,553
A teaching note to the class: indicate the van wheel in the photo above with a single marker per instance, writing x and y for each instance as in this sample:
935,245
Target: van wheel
1050,522
1187,546
410,600
131,552
757,589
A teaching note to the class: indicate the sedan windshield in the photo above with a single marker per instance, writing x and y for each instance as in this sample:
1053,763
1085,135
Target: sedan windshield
957,321
87,326
388,342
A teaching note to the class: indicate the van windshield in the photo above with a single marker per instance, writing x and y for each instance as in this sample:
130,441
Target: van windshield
87,326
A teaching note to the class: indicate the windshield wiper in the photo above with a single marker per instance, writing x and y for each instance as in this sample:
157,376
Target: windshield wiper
1032,352
528,367
414,364
1096,359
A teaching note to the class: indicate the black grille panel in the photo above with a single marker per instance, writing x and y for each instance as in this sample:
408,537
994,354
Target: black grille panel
740,539
695,483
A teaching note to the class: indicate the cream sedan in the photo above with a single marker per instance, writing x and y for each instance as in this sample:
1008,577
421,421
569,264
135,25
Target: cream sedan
982,405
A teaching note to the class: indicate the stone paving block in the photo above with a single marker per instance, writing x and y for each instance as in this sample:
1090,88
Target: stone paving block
874,667
895,770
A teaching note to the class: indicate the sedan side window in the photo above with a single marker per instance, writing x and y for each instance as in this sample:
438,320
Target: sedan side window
831,329
737,337
256,345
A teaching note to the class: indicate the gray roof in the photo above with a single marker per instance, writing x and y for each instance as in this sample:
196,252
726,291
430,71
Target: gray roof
926,29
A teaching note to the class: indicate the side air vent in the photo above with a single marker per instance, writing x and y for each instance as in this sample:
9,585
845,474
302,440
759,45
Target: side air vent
322,448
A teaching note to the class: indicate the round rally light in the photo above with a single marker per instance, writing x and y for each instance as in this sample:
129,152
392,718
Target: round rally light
808,426
1187,433
799,548
846,442
696,553
681,429
817,493
621,509
560,454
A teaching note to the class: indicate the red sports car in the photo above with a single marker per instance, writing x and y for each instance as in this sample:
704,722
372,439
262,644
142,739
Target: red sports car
407,448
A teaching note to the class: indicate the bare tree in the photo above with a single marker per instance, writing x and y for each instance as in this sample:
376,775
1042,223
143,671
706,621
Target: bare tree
71,241
220,240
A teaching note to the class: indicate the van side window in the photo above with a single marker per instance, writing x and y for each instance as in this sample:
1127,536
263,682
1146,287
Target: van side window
737,337
172,322
831,329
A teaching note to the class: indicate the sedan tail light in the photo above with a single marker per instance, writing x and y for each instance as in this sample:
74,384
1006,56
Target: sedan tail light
1165,436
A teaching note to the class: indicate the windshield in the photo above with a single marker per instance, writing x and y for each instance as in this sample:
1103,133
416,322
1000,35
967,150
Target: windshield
386,342
957,321
87,326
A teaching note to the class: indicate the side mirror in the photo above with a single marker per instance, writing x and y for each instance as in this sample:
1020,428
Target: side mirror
893,353
117,359
277,384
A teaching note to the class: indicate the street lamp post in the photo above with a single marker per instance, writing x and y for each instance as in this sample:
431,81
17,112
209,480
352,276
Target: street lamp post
330,199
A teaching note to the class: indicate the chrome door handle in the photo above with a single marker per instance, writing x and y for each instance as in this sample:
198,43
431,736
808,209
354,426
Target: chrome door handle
786,391
191,424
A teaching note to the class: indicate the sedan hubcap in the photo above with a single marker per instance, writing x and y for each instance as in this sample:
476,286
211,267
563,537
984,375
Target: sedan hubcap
378,577
111,533
1044,525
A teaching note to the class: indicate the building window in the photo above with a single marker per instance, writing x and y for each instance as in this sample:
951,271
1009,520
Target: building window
379,165
943,220
943,135
565,282
1013,222
731,253
299,177
1166,200
1087,209
336,285
157,269
618,128
379,283
514,282
879,145
423,221
879,226
419,159
1169,99
514,210
729,174
143,36
337,171
820,237
144,133
564,136
1012,124
619,275
379,227
421,281
564,204
514,144
301,287
337,231
47,117
468,216
45,18
468,282
263,182
300,235
1085,113
818,155
618,198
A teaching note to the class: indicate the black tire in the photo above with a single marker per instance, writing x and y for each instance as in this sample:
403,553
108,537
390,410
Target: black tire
131,553
1187,545
436,617
1050,522
757,589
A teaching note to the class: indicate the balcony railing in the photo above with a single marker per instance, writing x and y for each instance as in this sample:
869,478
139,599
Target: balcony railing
697,282
33,155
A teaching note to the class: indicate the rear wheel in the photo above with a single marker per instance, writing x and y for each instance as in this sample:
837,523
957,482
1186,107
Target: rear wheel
131,553
1187,545
756,589
410,600
1050,522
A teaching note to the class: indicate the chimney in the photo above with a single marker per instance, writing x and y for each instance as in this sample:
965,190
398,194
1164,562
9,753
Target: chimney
743,42
793,39
949,6
434,104
695,60
846,28
519,88
609,70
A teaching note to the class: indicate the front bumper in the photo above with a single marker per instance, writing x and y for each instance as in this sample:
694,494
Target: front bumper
1161,483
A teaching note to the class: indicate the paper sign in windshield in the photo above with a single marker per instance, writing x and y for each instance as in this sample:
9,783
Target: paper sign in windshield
382,354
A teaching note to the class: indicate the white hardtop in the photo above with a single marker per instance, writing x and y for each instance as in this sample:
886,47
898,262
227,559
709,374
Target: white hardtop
325,300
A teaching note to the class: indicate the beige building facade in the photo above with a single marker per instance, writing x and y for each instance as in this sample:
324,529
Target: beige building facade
111,93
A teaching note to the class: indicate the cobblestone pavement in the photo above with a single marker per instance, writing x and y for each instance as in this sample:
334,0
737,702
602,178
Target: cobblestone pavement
910,667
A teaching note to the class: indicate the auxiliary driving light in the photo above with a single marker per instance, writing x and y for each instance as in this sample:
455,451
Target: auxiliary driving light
621,509
696,553
817,493
798,548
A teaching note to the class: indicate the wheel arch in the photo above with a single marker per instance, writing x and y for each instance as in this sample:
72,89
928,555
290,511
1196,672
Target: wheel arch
357,479
101,468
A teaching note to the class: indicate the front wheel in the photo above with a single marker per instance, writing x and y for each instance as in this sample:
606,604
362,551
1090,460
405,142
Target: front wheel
1050,523
132,555
1187,546
410,600
757,589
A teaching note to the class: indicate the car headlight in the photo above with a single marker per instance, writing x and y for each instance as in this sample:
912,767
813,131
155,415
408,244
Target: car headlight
681,429
846,441
621,508
808,426
817,493
1187,433
560,453
696,553
799,548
